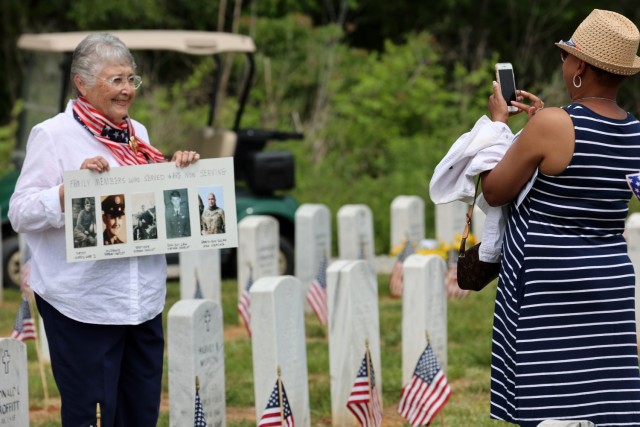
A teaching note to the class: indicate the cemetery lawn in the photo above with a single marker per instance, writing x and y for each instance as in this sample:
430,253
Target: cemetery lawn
469,328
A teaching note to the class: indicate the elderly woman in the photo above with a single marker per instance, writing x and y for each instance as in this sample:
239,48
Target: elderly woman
103,318
564,331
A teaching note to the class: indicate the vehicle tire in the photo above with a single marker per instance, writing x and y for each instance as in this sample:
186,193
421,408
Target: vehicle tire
11,262
285,257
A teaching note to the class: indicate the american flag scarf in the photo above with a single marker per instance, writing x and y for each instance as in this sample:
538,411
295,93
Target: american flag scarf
120,139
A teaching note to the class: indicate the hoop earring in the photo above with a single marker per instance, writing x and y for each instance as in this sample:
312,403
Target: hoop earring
579,80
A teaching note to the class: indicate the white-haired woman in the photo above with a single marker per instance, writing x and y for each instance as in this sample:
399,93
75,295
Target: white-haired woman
103,318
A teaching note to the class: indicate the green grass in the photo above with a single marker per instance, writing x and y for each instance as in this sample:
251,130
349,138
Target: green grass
469,326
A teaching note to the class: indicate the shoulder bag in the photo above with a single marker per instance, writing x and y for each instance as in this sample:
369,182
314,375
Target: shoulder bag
473,274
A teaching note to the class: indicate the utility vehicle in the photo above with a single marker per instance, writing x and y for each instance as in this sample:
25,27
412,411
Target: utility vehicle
261,176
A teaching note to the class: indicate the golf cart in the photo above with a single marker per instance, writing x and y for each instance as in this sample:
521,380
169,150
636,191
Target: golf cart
260,175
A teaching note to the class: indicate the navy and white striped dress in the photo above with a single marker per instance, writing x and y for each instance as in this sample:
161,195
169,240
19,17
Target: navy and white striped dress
564,332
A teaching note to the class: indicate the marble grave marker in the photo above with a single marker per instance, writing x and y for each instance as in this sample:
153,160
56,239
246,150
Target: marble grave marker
313,242
352,295
407,220
196,348
258,249
14,383
200,274
424,310
278,340
355,233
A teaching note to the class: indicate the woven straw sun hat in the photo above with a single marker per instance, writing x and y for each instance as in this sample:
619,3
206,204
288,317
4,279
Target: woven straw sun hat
606,40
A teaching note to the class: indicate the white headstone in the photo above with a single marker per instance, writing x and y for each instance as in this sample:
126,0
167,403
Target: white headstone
450,221
43,342
355,233
258,248
352,295
200,275
477,222
424,311
196,349
14,383
632,235
407,220
313,242
278,340
41,339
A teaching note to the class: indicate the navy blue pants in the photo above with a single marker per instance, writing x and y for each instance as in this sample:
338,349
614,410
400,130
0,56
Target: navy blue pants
119,366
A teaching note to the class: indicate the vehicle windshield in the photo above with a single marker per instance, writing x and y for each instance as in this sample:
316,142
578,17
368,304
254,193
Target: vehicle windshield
41,95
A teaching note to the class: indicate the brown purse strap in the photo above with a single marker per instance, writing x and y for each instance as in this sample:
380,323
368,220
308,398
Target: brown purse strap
467,226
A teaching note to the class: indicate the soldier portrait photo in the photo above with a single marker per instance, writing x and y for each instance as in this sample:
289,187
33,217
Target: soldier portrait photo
84,230
144,216
212,219
114,225
177,213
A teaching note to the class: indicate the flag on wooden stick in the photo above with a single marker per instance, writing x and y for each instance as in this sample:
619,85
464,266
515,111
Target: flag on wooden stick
24,327
98,415
198,292
317,295
278,411
363,401
199,419
396,280
451,277
427,391
244,306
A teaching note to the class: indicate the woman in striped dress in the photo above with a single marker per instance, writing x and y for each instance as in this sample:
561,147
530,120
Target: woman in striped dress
564,332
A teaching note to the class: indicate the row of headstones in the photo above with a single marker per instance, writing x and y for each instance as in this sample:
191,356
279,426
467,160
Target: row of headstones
258,247
257,257
196,342
278,338
258,251
313,238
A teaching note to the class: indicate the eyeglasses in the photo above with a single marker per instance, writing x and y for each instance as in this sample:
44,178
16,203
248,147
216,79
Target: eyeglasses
563,55
118,82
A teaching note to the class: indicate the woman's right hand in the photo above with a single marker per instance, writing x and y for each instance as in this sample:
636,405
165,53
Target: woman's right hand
98,164
531,109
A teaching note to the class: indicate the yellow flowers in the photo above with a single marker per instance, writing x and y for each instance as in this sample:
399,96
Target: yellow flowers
433,247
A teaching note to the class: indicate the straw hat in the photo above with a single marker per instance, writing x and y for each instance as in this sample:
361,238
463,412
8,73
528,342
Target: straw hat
606,40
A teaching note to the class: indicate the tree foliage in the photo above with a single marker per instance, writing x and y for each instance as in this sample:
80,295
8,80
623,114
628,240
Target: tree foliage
380,89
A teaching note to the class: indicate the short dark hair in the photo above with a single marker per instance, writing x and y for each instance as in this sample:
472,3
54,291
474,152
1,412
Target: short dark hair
605,77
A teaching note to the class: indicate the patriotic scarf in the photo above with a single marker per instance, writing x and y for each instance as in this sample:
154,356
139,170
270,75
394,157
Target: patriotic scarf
120,139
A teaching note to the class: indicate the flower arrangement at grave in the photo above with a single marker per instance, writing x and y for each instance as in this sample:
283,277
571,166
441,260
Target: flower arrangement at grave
442,249
448,251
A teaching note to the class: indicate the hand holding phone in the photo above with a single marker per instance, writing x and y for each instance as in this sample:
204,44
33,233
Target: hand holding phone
504,76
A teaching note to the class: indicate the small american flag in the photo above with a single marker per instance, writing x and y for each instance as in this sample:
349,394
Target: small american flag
451,278
244,306
395,280
24,328
317,295
275,414
199,419
361,250
363,401
427,391
633,180
198,293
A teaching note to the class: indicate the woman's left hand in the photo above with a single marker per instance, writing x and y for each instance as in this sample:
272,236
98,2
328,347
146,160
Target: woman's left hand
185,158
531,110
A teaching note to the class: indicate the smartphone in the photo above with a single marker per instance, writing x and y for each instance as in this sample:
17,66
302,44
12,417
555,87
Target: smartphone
504,76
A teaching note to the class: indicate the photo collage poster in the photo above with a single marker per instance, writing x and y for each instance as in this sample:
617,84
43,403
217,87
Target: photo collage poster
150,209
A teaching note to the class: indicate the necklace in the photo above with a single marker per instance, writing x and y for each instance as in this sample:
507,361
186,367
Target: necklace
595,97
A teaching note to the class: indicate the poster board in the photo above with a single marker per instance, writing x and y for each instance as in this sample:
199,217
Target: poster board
150,209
